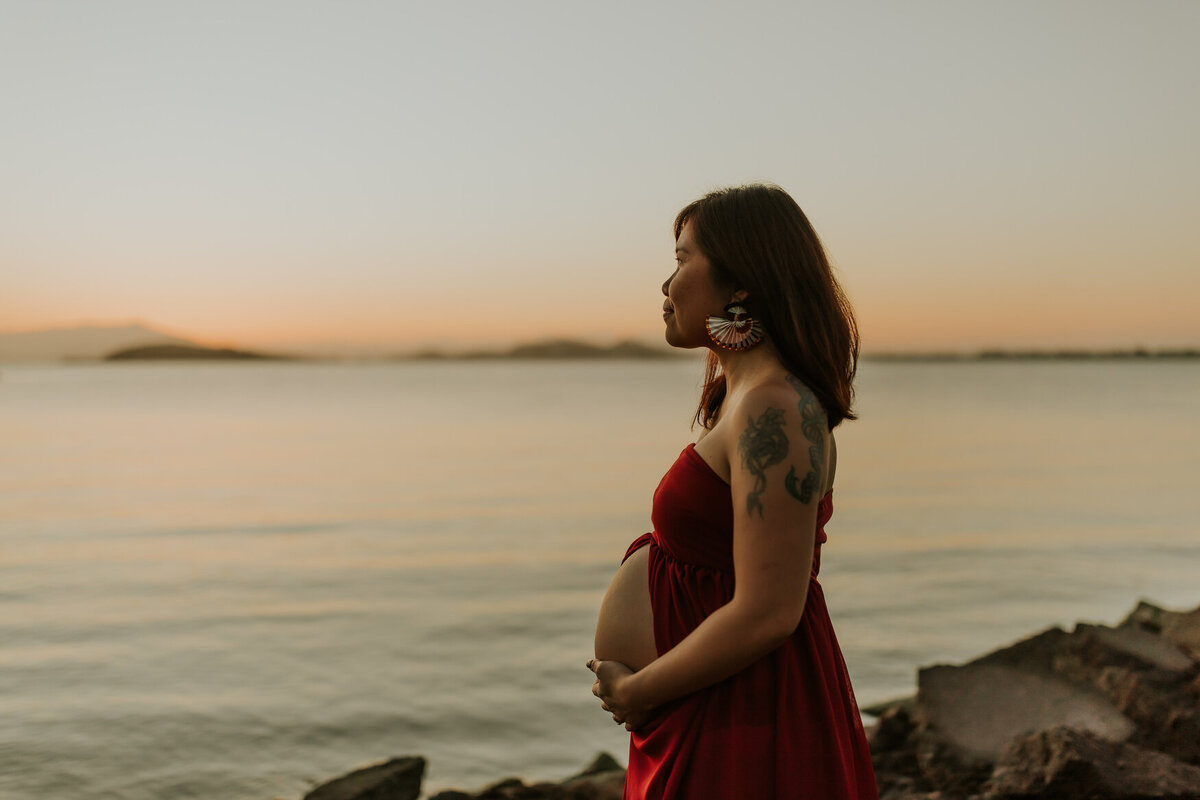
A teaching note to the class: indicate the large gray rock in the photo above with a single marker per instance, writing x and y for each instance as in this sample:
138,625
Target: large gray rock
979,708
1068,764
397,779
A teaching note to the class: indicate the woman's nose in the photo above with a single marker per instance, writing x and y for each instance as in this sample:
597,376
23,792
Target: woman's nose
666,283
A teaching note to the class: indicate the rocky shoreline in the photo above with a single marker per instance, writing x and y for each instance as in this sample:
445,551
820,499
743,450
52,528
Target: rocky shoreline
1097,713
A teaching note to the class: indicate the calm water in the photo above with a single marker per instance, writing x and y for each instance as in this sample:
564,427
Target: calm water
227,580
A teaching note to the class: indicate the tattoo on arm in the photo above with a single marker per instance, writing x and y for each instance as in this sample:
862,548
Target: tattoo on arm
762,445
813,423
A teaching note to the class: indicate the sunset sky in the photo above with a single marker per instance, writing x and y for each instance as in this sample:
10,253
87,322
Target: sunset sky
395,175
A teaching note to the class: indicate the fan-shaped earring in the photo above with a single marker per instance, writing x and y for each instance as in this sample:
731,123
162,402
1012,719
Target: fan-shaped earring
739,333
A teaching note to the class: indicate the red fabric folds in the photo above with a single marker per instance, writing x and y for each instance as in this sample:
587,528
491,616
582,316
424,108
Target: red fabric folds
787,726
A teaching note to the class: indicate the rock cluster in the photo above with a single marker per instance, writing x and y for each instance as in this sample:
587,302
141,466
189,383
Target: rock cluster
400,779
1099,713
603,779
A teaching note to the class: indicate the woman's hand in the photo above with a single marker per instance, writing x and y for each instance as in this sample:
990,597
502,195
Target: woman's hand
612,687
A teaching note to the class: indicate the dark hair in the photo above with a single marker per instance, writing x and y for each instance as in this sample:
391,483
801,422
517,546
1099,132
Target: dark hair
756,238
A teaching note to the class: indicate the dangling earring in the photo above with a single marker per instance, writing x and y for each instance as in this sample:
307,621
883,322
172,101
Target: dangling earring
739,333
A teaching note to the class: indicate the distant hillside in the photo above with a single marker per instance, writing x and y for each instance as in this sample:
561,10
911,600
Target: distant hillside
1041,355
552,349
83,342
136,340
186,352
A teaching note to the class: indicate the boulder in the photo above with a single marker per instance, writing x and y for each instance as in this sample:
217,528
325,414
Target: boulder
1068,764
397,779
980,707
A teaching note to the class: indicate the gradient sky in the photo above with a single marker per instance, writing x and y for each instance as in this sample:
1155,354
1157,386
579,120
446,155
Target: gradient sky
1017,174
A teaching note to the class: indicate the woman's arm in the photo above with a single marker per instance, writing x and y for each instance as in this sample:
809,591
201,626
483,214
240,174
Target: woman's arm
778,471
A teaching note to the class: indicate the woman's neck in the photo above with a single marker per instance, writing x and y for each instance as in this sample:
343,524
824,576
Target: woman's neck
746,368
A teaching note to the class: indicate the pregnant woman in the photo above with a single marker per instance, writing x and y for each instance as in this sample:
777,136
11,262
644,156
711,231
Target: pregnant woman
714,644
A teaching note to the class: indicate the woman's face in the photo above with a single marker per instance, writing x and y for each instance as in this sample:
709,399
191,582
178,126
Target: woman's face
691,295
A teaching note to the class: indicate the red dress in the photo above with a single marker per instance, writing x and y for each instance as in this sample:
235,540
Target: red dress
788,725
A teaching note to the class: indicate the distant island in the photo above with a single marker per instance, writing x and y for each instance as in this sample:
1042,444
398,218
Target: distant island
160,352
1039,355
552,349
571,349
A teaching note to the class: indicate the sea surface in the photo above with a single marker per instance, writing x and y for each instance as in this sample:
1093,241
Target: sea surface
234,580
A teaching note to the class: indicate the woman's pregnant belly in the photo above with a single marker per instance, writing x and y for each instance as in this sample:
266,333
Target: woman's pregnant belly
625,629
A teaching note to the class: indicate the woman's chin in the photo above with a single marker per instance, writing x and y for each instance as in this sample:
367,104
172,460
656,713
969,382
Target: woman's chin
683,345
671,334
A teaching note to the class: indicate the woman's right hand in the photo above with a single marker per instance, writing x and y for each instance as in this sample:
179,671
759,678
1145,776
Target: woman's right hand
612,687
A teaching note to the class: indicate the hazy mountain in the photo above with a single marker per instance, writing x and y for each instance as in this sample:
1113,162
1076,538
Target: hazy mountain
140,341
552,349
84,342
179,352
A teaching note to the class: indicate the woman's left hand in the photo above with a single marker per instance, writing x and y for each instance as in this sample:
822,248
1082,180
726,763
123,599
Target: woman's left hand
611,686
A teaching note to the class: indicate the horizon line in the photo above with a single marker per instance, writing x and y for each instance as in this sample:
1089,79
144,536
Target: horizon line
383,349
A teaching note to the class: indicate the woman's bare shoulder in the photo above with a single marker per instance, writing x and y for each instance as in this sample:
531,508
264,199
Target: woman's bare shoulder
785,407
